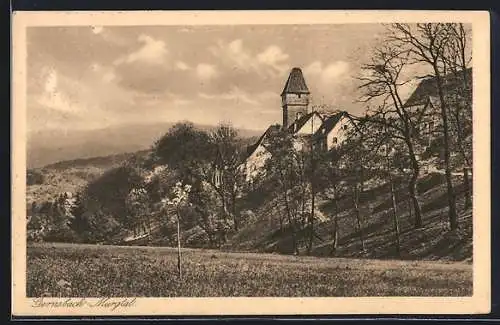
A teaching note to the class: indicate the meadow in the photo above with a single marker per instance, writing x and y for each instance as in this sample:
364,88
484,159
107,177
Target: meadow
113,271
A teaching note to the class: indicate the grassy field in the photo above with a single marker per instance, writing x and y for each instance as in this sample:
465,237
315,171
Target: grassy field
111,271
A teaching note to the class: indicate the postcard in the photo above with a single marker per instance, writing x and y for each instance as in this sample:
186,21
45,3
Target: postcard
250,163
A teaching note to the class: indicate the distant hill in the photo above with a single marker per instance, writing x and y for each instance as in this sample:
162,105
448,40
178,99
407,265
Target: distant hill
88,154
71,175
51,146
103,162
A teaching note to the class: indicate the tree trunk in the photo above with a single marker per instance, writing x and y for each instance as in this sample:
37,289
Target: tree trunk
292,226
233,211
395,219
467,191
452,209
281,221
294,239
289,213
311,222
179,266
335,227
409,208
412,184
335,236
358,217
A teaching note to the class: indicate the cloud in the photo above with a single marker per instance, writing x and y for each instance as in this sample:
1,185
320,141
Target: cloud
240,57
328,74
330,83
106,74
268,62
51,82
151,51
109,76
147,68
206,71
273,56
53,97
181,101
180,65
97,29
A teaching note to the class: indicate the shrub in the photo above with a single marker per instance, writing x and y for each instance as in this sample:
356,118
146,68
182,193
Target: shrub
34,177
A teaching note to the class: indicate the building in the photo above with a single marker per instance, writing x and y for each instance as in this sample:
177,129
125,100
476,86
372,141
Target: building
325,130
424,100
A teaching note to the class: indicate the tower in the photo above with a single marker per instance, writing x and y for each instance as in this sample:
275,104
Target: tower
294,98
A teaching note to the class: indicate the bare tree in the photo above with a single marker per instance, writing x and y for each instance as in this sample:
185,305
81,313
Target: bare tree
286,168
457,57
227,157
179,198
382,80
426,44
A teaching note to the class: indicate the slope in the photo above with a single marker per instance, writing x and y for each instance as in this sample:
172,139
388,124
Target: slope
434,241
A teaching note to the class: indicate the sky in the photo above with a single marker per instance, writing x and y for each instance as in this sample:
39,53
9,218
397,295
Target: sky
92,77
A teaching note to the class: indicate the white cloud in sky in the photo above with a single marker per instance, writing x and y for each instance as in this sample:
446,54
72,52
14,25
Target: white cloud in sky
239,55
233,53
97,29
206,71
274,57
109,76
107,73
53,97
181,65
152,51
271,60
50,84
181,101
328,74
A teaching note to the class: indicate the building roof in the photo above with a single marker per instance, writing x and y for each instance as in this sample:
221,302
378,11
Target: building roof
428,87
329,123
273,129
299,123
296,83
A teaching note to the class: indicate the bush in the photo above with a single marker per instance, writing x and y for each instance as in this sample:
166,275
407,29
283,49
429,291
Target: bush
247,217
34,177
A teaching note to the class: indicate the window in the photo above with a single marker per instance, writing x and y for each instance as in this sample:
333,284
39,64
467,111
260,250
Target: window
299,95
344,127
334,140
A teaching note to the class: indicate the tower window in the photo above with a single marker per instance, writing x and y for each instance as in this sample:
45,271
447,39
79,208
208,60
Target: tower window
299,95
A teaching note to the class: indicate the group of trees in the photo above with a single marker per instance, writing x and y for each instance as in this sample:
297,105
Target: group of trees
130,198
440,51
50,220
209,162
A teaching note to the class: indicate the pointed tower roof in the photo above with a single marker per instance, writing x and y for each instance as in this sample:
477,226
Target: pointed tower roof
295,83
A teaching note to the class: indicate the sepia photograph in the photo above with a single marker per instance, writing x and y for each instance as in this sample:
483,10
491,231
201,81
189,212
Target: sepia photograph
251,157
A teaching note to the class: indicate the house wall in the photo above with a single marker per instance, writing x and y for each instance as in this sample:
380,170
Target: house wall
311,126
255,162
339,133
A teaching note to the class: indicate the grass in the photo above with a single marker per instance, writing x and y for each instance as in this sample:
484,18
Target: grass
112,271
